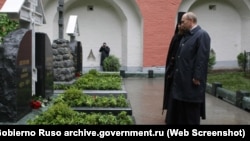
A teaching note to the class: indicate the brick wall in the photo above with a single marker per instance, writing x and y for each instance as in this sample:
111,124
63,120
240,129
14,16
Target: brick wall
159,24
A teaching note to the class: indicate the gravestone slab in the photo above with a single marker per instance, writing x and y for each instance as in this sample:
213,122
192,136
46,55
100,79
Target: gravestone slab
44,65
79,57
76,51
15,78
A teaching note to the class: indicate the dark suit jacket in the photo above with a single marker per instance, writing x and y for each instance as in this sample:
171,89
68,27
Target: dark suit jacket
104,53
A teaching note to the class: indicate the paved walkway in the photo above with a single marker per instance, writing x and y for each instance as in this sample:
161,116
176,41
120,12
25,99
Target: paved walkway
145,95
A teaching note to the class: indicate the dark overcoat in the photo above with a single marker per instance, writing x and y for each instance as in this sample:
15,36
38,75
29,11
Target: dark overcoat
104,53
169,68
192,62
170,61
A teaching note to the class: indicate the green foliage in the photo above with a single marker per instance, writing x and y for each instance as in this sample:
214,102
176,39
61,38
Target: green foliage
61,86
6,25
111,63
99,81
93,72
230,80
59,113
212,60
94,81
71,96
76,98
62,114
242,60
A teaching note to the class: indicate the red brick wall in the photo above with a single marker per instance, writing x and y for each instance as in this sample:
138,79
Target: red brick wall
1,3
159,24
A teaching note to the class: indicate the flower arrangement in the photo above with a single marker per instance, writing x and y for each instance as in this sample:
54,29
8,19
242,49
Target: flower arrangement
38,102
78,74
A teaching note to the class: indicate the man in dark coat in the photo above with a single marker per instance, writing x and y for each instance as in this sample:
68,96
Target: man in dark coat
104,49
190,74
170,61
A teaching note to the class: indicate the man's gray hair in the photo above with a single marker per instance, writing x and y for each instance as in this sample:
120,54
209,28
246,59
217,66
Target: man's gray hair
191,16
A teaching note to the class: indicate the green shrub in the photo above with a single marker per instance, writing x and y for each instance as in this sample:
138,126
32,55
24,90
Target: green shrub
242,60
71,97
76,98
62,114
99,82
59,113
93,72
111,63
94,81
212,60
6,25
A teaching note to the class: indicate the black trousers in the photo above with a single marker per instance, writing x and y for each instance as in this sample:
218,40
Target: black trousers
183,113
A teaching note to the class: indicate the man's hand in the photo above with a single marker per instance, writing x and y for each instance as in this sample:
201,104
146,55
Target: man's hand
196,82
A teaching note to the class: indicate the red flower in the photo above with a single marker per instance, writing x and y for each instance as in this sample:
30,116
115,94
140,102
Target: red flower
78,74
35,104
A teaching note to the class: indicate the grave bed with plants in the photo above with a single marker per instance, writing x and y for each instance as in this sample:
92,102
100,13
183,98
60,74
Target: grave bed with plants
105,99
93,88
62,114
81,102
94,80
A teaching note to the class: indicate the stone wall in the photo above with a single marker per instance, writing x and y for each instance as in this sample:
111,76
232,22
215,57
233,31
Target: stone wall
64,69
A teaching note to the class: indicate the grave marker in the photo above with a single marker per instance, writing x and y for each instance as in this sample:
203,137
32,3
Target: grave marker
76,46
29,13
44,65
18,69
15,92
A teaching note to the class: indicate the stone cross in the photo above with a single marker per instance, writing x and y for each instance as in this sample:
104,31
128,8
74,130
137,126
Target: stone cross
60,20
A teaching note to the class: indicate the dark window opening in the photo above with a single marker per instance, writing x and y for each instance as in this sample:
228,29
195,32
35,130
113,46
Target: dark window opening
90,8
212,7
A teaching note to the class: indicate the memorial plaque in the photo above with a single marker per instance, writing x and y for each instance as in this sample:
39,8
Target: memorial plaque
44,65
15,92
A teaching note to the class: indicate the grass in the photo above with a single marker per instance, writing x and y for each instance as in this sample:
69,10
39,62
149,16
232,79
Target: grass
233,81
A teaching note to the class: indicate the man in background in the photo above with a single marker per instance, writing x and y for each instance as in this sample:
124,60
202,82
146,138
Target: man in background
104,49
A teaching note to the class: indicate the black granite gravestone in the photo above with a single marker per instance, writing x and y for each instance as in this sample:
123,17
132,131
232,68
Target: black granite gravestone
78,52
44,65
15,78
